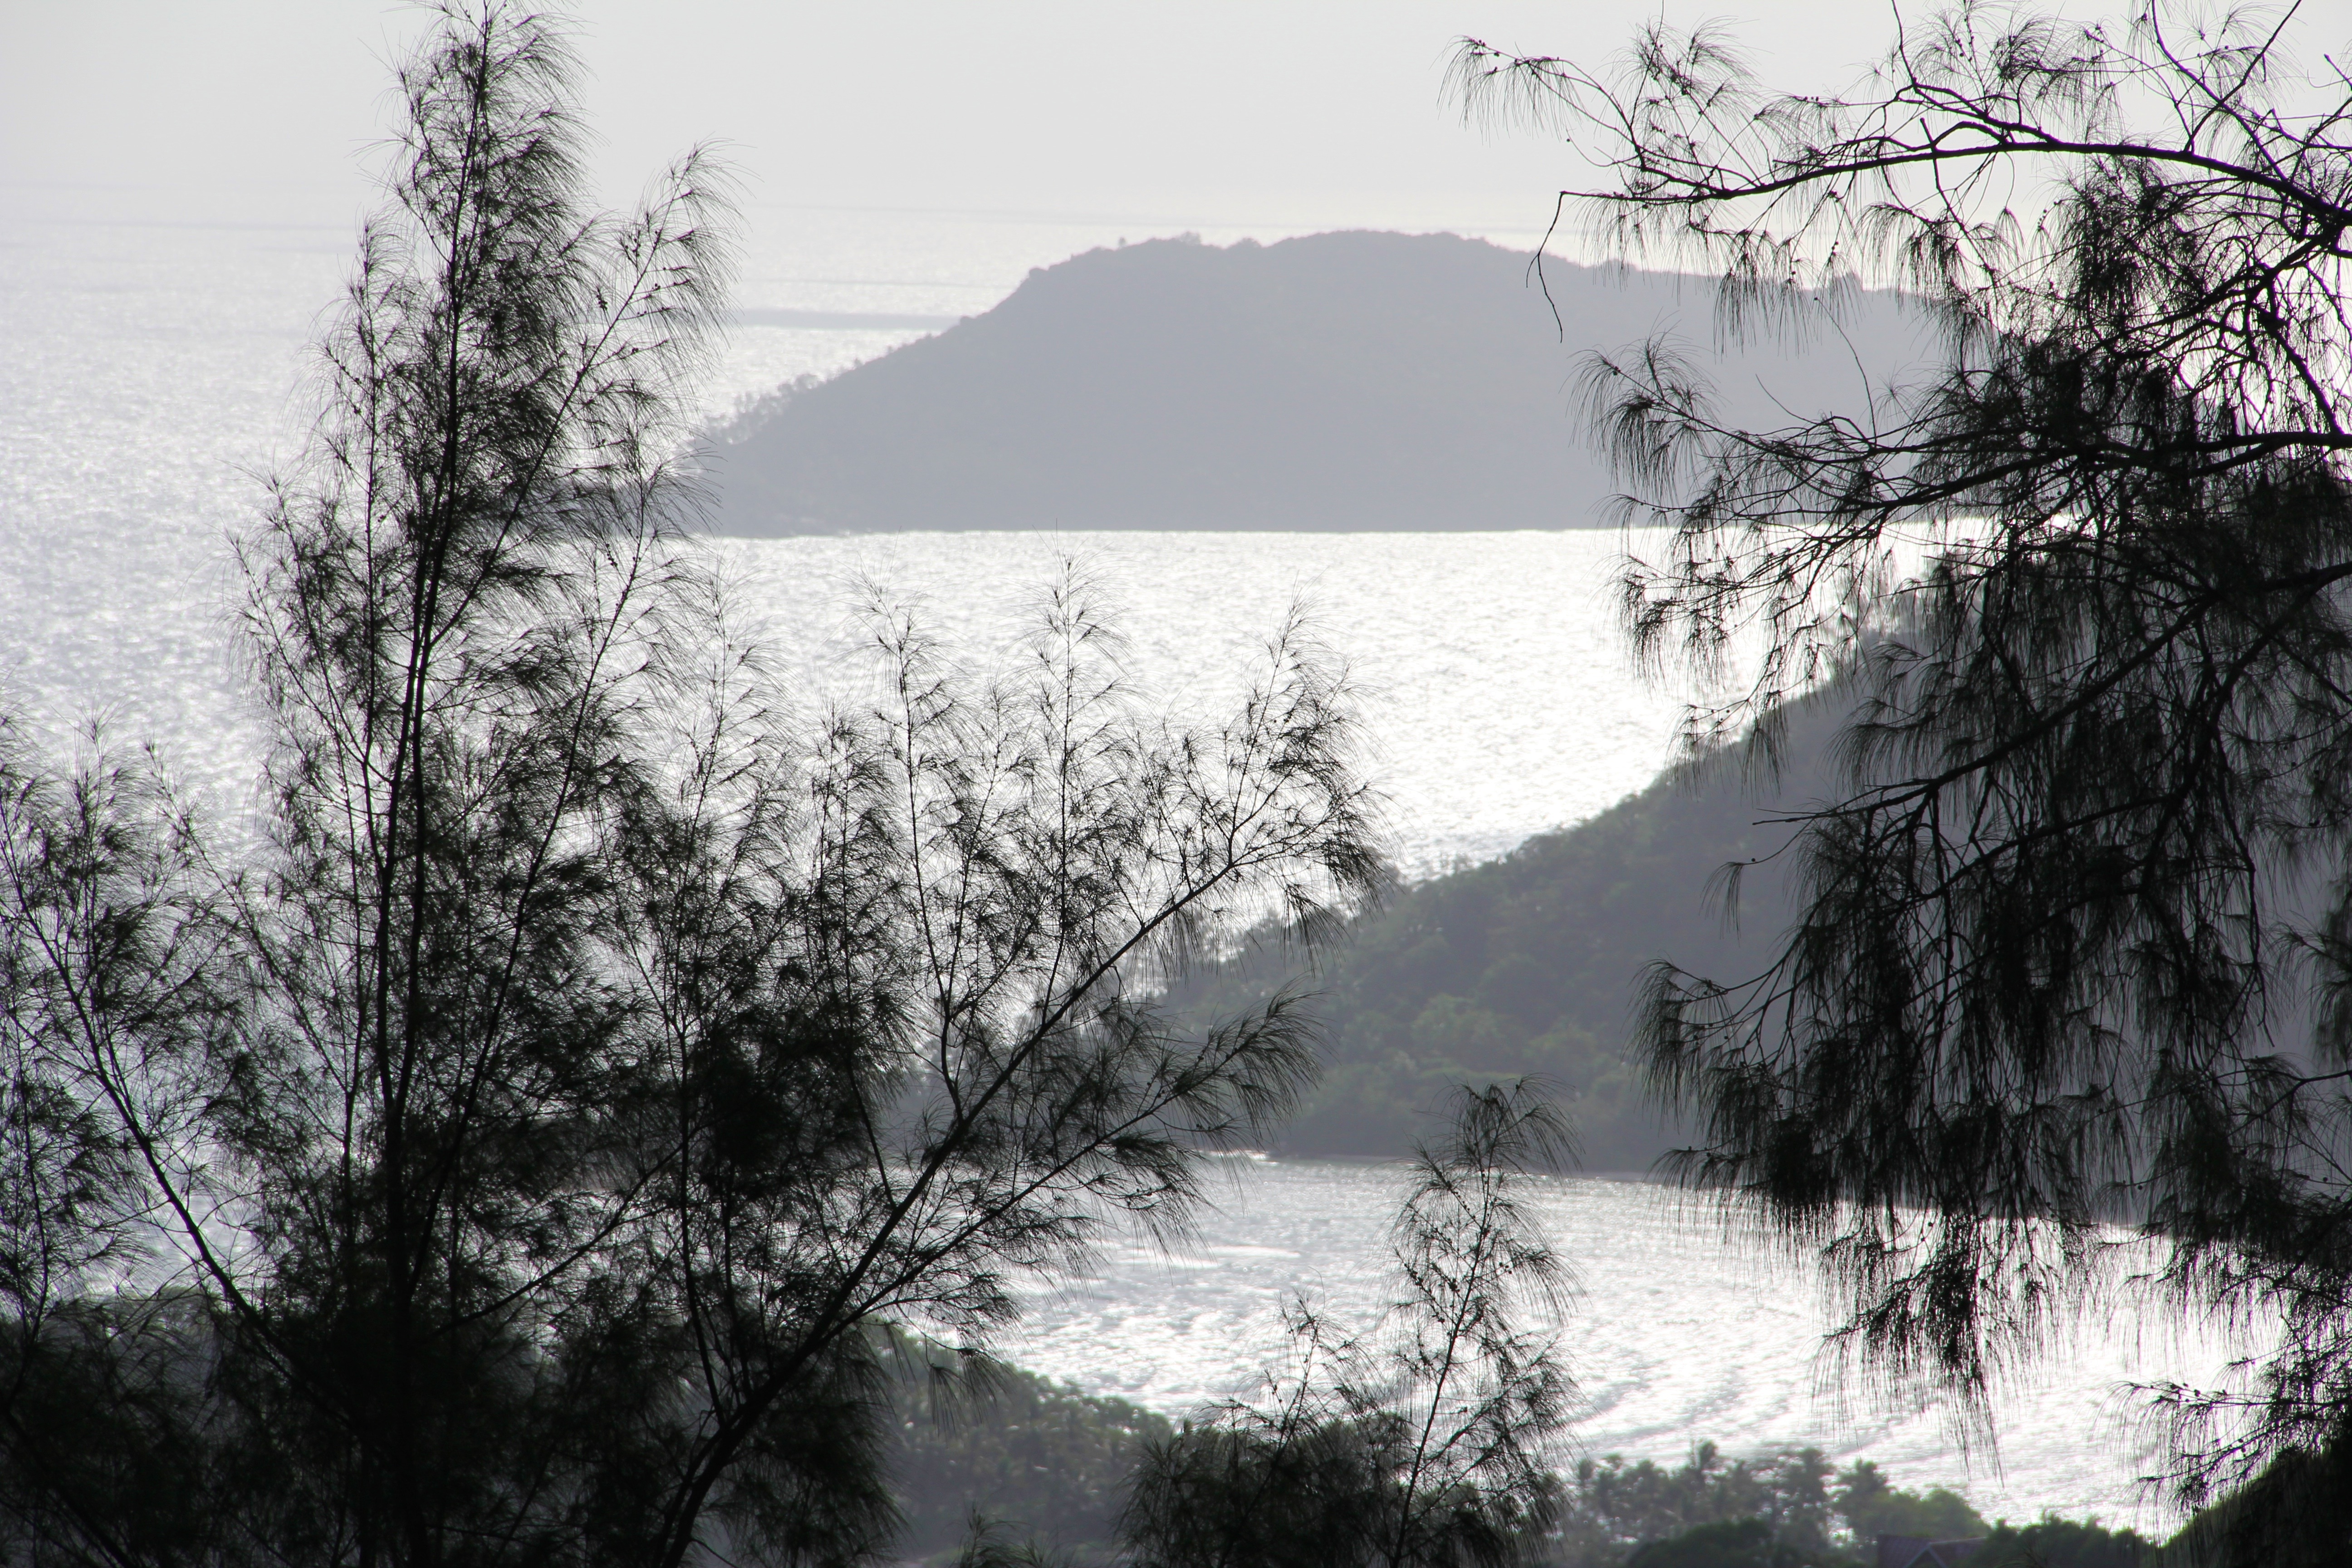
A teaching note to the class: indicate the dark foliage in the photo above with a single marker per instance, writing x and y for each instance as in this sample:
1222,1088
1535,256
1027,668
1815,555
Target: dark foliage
1035,1458
1612,1508
2057,962
1791,1506
1871,1507
2293,1515
2067,1543
1733,1544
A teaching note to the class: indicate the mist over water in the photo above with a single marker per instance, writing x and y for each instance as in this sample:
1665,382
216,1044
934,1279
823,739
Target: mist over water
151,373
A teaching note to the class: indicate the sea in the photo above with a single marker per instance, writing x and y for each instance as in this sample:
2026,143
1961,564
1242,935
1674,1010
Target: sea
154,370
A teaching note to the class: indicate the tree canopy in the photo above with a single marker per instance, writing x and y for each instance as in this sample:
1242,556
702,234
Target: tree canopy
516,1146
2071,948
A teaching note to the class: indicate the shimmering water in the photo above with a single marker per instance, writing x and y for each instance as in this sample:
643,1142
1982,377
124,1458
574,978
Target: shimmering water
1677,1335
152,374
149,373
1499,696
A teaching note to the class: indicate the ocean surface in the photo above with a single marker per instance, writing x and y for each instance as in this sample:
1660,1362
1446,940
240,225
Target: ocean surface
152,373
1683,1329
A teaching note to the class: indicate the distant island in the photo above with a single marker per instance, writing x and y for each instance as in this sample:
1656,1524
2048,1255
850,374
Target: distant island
1352,381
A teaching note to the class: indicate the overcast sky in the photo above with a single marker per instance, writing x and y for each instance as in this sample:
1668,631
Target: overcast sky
1286,112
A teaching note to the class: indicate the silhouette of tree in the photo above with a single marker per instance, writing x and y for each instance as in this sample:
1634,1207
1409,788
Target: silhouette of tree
2071,946
513,1148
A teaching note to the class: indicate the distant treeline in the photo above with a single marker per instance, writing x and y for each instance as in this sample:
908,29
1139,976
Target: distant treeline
1793,1507
1529,965
1042,1460
1021,1452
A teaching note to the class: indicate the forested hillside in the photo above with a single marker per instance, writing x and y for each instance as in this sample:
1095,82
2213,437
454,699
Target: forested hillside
1530,963
1339,381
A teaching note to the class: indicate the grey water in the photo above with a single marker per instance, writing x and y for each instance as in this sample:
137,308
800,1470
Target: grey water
149,374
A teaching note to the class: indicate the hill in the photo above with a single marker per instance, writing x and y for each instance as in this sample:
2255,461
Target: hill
1528,965
1340,381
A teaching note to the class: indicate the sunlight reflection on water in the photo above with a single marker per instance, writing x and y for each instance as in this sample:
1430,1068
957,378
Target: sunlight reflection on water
1674,1337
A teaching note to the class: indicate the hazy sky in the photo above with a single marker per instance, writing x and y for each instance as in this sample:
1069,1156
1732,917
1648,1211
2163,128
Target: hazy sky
1286,112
